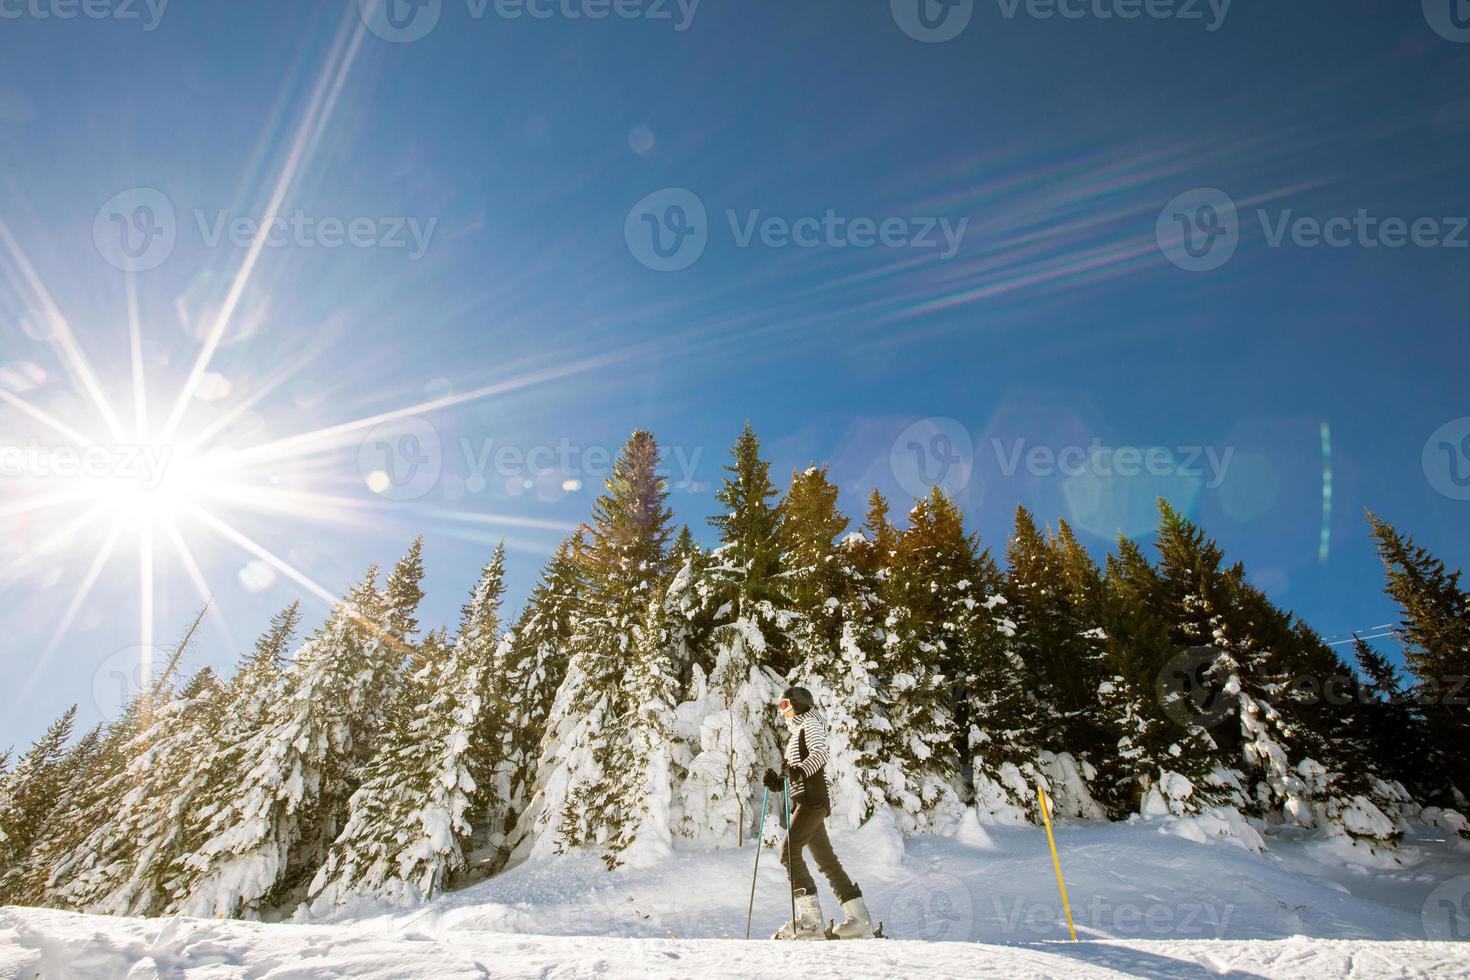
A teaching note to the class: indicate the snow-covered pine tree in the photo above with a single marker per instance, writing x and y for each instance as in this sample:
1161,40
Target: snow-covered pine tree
735,728
105,826
1435,631
243,704
257,678
402,594
834,642
1091,733
594,777
125,861
652,692
933,594
525,669
5,760
32,791
1162,761
688,611
4,795
86,766
1273,758
1059,649
1388,728
880,539
408,832
1002,717
262,820
390,626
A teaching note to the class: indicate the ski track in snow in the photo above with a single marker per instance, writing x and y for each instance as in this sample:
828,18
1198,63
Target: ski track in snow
1146,903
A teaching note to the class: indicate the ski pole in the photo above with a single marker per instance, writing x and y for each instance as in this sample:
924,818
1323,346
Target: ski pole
1046,815
759,840
790,881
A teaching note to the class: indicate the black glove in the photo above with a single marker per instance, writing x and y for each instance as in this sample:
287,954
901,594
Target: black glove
773,781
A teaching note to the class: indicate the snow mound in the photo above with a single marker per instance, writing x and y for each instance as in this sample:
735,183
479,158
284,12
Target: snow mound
1156,898
971,833
36,942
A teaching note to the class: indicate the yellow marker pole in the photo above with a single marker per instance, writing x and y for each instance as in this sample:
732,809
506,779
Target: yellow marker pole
1046,816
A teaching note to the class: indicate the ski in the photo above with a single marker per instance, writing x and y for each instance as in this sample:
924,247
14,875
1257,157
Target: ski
832,932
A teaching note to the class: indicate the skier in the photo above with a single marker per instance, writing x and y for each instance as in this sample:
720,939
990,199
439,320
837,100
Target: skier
805,767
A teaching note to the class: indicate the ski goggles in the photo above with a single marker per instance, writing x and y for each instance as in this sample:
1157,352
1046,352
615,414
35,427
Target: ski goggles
784,704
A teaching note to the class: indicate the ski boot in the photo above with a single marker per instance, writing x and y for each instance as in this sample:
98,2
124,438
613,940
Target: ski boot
856,923
808,922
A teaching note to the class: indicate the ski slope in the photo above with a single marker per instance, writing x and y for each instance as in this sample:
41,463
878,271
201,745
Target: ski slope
1148,900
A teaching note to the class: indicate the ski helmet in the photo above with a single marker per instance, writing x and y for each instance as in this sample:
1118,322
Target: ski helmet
800,698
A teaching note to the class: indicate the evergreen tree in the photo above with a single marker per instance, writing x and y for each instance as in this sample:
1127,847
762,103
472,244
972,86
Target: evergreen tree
1163,761
86,766
834,641
1390,729
4,793
267,821
1435,630
932,591
402,594
689,615
749,553
881,538
32,793
1436,625
597,784
138,818
407,831
1275,761
1089,728
526,668
736,734
1058,641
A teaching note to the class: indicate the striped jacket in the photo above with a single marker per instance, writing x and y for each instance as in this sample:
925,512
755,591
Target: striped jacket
806,756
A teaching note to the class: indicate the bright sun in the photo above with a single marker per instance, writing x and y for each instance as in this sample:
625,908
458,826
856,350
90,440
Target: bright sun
98,471
143,482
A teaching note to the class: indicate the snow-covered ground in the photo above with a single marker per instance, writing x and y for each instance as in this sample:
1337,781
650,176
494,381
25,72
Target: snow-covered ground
1146,903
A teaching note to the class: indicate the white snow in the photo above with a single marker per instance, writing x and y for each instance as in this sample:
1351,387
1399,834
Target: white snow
981,904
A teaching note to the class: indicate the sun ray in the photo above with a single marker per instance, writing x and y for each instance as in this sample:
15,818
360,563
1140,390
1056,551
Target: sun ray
260,390
535,523
47,545
191,569
229,533
75,359
15,401
135,356
41,502
296,503
94,571
313,124
329,435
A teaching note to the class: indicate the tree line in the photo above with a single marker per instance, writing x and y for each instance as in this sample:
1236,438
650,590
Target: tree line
628,709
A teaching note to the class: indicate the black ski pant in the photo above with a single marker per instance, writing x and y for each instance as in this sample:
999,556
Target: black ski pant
808,830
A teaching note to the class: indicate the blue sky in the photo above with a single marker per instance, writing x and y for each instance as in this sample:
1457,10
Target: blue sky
495,176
